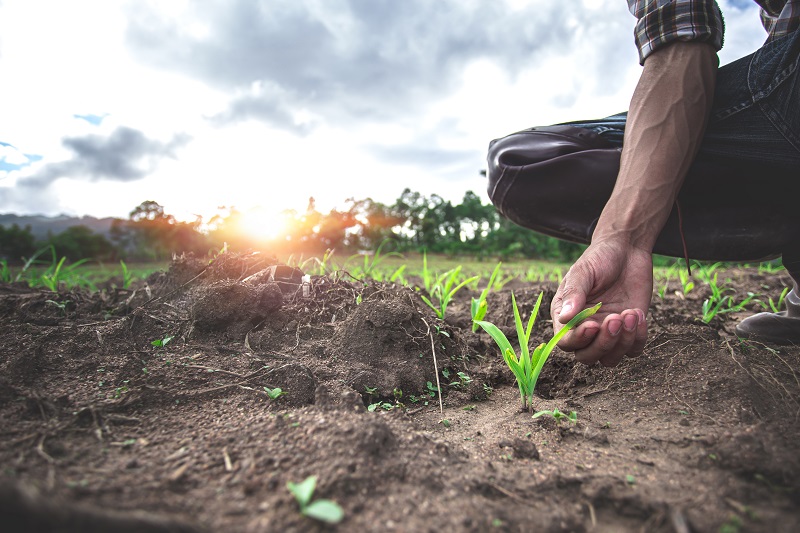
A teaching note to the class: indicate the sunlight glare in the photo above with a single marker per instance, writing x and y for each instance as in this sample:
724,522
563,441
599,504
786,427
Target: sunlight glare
262,224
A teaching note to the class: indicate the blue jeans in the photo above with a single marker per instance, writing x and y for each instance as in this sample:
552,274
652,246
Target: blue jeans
756,111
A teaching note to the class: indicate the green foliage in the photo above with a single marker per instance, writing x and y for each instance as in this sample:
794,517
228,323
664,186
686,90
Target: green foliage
160,343
478,305
443,290
275,393
323,510
776,307
528,366
127,276
558,415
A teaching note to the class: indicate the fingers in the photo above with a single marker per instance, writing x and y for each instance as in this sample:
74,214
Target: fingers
570,297
619,335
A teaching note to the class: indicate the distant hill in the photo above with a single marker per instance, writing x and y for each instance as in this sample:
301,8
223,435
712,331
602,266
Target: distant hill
42,225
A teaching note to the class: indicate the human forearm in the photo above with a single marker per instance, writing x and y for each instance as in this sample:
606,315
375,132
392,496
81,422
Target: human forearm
667,117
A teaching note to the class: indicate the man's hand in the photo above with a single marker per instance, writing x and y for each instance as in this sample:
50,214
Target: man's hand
665,125
621,277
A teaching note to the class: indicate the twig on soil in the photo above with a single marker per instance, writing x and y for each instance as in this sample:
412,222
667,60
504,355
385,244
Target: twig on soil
210,369
592,515
435,366
506,492
227,459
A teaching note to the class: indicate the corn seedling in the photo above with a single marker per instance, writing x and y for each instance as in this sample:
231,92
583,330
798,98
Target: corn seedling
428,278
558,415
478,305
323,510
776,307
444,289
686,284
5,272
769,268
371,262
528,366
127,275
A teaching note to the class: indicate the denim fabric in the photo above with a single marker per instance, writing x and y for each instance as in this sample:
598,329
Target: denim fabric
756,112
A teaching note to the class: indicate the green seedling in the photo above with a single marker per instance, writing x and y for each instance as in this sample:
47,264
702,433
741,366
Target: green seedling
275,393
444,288
5,272
160,343
326,511
558,415
528,366
371,263
383,405
127,275
686,284
463,380
478,305
776,307
61,305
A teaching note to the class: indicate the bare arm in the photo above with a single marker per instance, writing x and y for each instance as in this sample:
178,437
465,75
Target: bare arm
667,117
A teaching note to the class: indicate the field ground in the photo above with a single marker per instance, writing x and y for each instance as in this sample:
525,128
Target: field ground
105,430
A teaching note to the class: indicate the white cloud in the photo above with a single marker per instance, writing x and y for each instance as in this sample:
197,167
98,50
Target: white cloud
287,99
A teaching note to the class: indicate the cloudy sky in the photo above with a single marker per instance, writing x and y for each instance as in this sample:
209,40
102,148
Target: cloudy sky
245,103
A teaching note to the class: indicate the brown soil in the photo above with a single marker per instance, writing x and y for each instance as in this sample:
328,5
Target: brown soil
102,431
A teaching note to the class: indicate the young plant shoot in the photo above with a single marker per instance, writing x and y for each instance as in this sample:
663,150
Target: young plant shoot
478,305
528,366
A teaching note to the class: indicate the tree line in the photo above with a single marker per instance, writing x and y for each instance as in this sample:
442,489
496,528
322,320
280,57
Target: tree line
413,222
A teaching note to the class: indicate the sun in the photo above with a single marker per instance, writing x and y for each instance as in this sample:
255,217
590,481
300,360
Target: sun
262,224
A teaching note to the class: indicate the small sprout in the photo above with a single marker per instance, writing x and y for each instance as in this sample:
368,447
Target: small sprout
558,415
383,405
488,389
160,343
469,408
275,393
370,390
445,422
478,305
630,479
432,390
323,510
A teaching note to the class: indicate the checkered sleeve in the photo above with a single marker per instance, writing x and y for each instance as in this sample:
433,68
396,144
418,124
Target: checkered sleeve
780,17
664,21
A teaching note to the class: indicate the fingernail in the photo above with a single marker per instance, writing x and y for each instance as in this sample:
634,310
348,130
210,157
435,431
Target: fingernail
614,326
641,316
589,333
565,309
631,321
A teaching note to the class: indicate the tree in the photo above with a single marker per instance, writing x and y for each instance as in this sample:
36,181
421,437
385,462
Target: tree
16,243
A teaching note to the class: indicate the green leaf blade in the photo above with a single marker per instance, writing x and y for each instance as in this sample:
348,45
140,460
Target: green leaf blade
325,511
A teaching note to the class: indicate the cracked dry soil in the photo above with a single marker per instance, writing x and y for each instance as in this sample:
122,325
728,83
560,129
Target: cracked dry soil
102,431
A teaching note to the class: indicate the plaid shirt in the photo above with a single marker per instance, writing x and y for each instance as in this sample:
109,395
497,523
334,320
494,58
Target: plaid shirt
664,21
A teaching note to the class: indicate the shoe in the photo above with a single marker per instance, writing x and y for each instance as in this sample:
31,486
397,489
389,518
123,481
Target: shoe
776,328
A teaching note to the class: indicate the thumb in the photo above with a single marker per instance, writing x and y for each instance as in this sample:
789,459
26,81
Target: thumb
574,288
